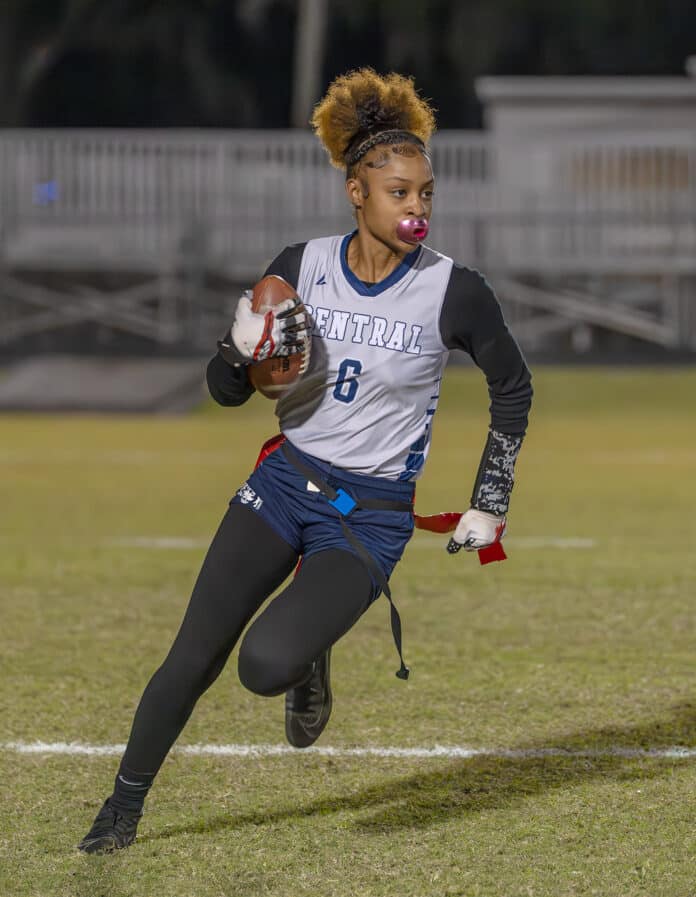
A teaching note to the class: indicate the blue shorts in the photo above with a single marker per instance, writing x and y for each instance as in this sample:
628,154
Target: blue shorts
309,524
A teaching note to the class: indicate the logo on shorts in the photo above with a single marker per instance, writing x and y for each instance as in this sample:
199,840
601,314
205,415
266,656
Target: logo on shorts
247,496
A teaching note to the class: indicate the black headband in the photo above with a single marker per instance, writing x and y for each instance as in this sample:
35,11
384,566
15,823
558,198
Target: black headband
362,143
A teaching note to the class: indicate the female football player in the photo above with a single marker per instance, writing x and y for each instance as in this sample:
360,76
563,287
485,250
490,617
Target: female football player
385,310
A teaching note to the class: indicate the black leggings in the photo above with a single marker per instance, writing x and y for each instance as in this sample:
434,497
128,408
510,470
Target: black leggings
246,561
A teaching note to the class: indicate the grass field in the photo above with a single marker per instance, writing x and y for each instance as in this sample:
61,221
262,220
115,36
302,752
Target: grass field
584,644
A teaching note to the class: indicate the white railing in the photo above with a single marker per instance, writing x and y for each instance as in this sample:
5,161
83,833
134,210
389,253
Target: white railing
123,198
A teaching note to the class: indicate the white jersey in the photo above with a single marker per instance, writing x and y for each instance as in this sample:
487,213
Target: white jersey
368,399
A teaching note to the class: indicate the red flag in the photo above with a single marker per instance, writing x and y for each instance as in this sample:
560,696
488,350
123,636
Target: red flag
438,523
490,553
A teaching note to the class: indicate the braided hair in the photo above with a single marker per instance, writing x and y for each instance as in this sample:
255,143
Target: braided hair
362,109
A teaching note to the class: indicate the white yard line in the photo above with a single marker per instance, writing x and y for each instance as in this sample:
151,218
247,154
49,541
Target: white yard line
114,456
551,542
657,456
158,542
75,748
523,543
420,540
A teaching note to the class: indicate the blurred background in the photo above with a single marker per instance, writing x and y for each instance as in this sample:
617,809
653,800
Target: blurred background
154,156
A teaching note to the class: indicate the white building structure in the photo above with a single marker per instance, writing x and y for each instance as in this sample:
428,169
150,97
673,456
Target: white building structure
578,201
605,168
526,107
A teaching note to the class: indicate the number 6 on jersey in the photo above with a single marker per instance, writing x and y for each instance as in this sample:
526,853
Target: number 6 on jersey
347,381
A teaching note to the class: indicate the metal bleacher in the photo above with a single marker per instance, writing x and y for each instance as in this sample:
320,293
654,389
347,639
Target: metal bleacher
150,233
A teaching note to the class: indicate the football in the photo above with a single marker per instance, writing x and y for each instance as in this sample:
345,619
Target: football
274,375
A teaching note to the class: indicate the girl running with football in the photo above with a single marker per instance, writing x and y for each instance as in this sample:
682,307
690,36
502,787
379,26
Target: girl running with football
382,310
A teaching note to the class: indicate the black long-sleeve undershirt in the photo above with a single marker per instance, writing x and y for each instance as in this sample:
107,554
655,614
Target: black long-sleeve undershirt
227,384
471,319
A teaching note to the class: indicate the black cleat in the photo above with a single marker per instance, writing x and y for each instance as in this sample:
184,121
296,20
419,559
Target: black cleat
110,831
308,707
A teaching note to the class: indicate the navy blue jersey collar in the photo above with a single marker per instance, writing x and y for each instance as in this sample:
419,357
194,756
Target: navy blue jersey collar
362,288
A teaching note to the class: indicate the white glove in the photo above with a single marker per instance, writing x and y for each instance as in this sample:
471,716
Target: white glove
477,529
281,331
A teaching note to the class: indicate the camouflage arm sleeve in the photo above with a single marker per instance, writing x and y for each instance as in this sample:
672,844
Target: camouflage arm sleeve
496,473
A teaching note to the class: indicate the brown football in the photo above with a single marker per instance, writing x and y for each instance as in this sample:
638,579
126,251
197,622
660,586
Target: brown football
274,375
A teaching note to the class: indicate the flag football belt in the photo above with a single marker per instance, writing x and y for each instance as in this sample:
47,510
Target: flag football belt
345,504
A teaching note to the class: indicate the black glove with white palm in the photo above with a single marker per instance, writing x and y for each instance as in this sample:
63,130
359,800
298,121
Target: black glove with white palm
282,330
476,529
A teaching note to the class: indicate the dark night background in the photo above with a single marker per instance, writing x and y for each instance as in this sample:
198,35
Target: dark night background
219,63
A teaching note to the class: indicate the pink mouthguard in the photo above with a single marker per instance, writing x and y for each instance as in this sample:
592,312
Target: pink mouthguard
412,230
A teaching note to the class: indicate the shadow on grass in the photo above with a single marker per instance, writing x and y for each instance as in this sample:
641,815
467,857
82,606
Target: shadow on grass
481,783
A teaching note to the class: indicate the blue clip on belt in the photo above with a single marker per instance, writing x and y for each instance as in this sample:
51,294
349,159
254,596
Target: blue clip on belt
343,503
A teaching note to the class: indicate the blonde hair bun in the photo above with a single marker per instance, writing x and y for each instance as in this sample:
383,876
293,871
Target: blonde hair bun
361,103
